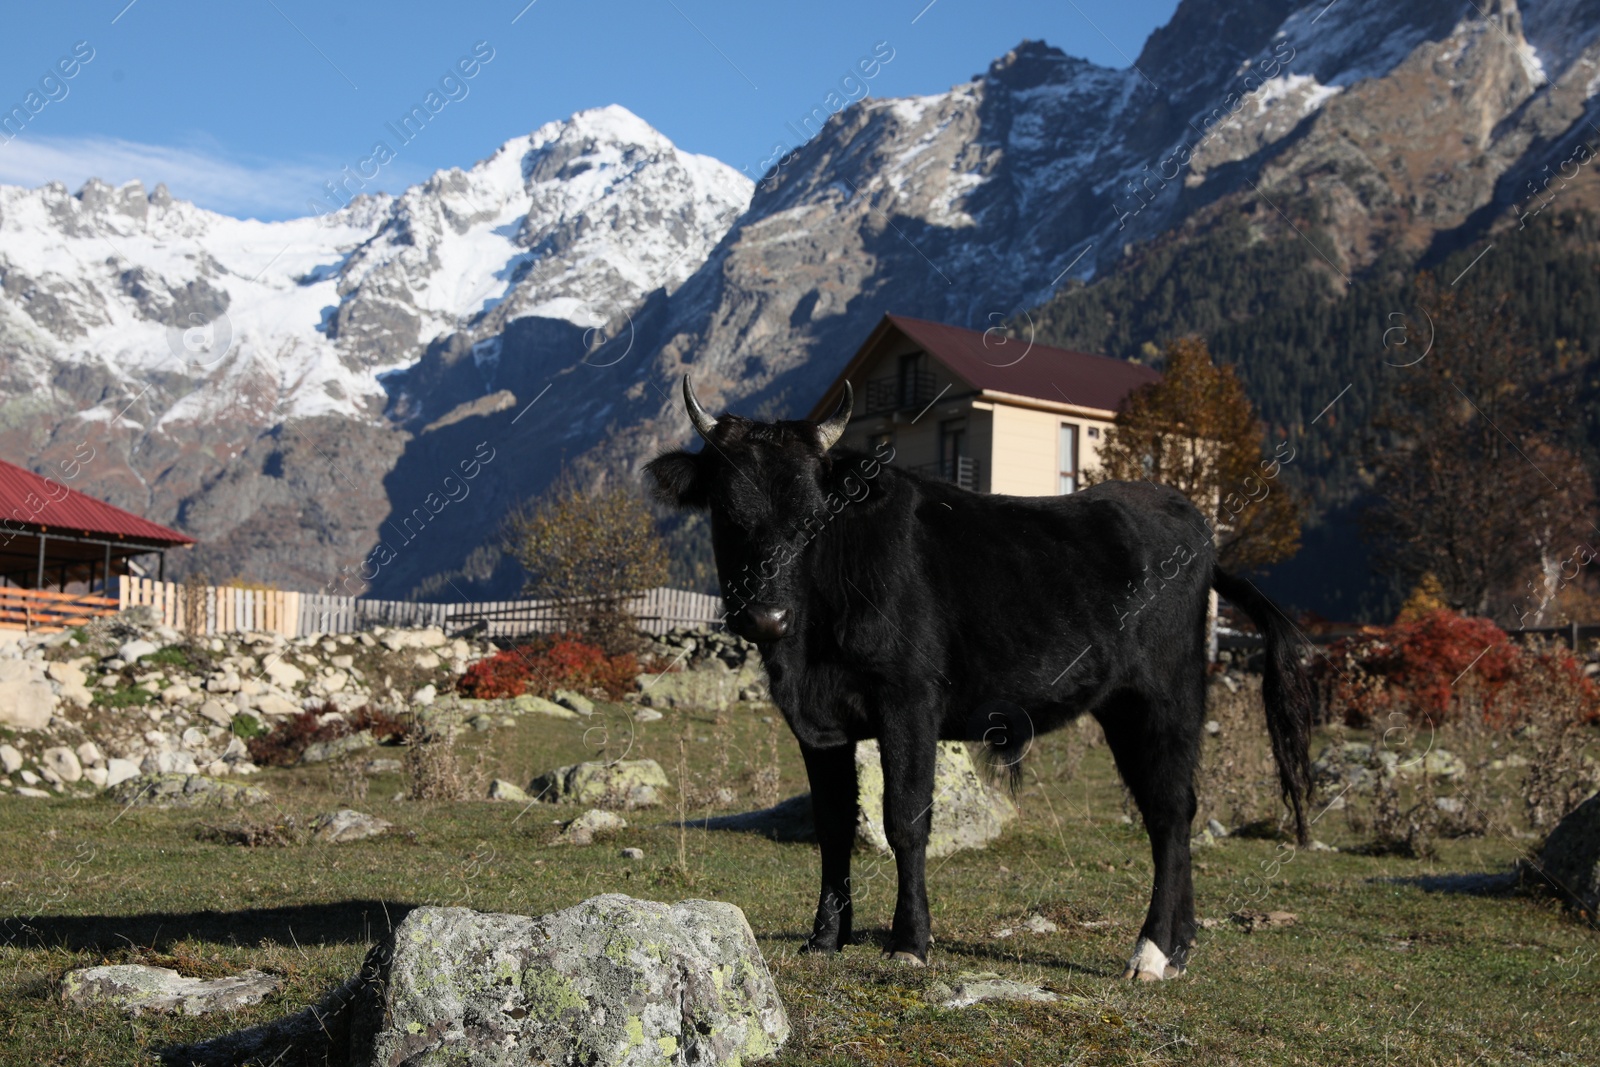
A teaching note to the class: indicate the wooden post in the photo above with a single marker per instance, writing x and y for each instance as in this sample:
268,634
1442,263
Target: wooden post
38,581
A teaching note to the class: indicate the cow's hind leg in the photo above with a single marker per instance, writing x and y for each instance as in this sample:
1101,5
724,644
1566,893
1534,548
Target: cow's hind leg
1156,749
908,760
832,772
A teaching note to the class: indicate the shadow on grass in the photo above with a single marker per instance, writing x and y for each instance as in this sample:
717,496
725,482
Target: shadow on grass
1504,884
340,922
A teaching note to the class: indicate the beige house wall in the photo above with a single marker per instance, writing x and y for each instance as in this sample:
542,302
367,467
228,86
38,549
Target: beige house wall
1025,457
1015,444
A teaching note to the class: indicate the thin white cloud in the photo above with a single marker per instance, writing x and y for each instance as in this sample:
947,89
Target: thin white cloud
269,190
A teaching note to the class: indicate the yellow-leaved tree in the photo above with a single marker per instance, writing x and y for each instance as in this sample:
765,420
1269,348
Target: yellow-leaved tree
1197,431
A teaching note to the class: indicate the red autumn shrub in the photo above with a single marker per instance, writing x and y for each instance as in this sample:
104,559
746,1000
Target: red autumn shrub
1423,667
286,743
559,661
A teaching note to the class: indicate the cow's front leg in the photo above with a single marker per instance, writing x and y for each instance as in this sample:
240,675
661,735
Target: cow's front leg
832,772
908,767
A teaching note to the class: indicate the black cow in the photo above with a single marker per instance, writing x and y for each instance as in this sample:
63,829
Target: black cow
890,606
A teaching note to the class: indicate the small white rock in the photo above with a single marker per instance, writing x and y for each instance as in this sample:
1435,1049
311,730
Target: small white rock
89,754
63,762
213,711
10,759
134,651
120,770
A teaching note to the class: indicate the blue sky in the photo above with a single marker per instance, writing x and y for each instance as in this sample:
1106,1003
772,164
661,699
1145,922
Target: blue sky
247,106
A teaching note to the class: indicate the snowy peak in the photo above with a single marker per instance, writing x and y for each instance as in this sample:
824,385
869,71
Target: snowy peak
577,221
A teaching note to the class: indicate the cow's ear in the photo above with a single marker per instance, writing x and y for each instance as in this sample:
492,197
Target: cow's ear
676,480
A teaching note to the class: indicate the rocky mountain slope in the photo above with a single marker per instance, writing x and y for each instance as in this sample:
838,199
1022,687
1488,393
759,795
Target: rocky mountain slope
1363,129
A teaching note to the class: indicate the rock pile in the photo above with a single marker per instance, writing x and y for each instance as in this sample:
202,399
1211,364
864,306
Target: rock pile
711,669
125,695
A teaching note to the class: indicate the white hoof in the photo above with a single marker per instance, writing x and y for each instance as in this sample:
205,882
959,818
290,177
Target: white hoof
1149,964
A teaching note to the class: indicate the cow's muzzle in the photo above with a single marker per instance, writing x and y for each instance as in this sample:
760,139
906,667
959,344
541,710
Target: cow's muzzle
760,623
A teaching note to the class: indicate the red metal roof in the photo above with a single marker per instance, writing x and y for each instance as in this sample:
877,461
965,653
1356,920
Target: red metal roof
1011,365
990,361
55,507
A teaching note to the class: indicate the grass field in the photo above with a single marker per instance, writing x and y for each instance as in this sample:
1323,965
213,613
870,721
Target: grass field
1389,962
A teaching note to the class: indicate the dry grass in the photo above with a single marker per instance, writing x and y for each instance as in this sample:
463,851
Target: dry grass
434,770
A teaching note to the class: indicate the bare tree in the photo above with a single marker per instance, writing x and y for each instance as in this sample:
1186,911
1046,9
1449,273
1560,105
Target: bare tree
591,550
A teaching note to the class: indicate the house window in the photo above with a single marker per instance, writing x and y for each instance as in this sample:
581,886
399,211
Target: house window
1094,431
952,446
913,372
1069,458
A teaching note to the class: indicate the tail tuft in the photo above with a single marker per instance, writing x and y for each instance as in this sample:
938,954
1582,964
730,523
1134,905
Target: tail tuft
1286,689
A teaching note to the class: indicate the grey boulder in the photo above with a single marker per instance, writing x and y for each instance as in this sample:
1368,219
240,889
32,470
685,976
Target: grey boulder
625,784
346,824
610,981
967,811
582,830
161,990
974,987
183,791
1570,859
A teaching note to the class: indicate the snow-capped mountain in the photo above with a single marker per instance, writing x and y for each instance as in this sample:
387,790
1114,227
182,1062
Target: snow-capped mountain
541,305
178,337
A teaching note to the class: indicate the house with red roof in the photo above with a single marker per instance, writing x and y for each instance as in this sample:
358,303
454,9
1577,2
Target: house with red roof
988,411
54,537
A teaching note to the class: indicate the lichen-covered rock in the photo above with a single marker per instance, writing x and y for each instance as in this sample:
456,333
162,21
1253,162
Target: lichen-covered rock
582,830
577,702
183,791
974,987
713,687
625,784
500,789
611,981
323,751
161,990
347,824
527,703
1570,859
967,811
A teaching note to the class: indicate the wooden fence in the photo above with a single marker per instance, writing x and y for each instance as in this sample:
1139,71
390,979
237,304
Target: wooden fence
42,611
214,609
227,609
1573,635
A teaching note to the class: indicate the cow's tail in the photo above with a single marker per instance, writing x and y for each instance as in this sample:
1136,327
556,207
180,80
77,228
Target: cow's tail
1286,690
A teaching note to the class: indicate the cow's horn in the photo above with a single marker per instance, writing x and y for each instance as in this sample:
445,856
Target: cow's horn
833,429
702,422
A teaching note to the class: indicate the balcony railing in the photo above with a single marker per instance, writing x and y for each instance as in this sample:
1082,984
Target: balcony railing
898,392
961,471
